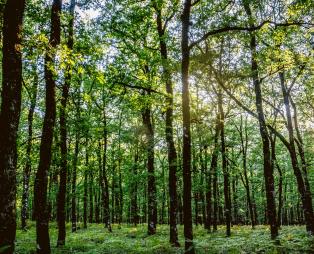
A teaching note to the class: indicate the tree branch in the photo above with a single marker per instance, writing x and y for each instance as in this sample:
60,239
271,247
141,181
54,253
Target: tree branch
249,29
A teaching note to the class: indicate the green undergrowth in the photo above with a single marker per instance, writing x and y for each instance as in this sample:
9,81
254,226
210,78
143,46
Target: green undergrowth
129,239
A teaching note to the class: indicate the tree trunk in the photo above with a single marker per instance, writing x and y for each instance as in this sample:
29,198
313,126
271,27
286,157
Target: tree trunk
85,199
41,180
99,198
28,166
224,166
246,183
134,213
201,195
235,201
172,153
215,183
268,171
104,182
151,185
73,187
211,174
9,119
61,212
275,164
187,185
91,200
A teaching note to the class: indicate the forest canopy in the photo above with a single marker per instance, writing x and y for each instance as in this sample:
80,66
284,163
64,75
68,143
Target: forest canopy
168,126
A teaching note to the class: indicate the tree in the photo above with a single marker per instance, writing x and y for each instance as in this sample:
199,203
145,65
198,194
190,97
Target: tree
151,185
227,211
27,170
172,153
63,138
41,181
9,119
268,169
185,62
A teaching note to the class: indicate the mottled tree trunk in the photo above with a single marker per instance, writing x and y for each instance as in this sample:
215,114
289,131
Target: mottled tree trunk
151,182
187,184
9,119
41,180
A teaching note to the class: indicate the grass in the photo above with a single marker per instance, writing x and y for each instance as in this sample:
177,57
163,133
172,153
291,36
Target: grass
128,239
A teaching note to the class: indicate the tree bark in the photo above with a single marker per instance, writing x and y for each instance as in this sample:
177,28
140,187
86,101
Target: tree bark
104,182
41,180
99,198
73,185
275,164
268,170
9,119
246,183
134,206
28,166
61,212
151,182
224,165
211,174
187,185
172,153
85,199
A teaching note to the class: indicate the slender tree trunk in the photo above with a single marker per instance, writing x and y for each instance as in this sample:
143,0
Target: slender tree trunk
299,142
73,187
85,199
215,192
275,164
211,174
28,166
235,200
120,194
113,189
224,166
268,171
202,196
172,153
246,183
151,182
9,119
99,203
187,185
41,180
134,206
91,200
61,212
104,182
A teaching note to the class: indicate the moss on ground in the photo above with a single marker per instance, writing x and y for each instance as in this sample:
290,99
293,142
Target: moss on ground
128,239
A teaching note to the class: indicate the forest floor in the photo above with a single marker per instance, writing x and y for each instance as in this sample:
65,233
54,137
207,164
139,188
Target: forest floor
129,239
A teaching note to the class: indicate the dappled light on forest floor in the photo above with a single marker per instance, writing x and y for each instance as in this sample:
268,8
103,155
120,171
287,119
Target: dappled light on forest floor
129,239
